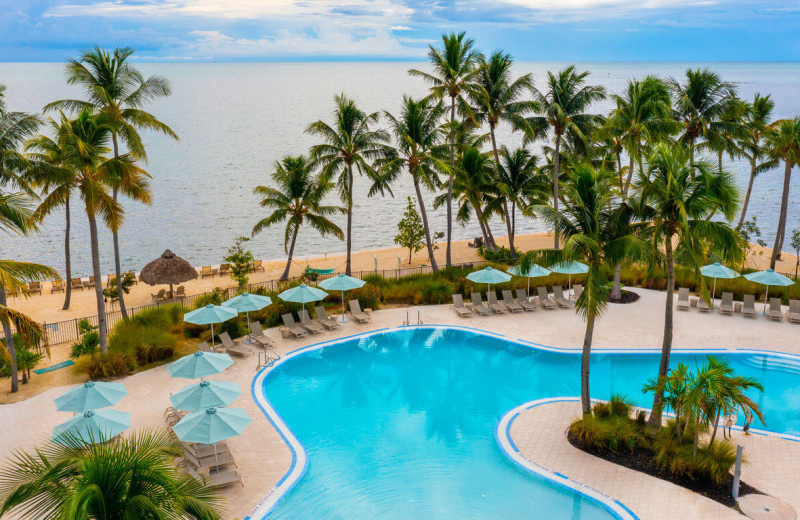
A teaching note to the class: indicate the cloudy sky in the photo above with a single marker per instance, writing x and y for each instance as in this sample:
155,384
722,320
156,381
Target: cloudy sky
271,30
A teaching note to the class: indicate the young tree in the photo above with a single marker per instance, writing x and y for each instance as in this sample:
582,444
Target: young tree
241,261
411,233
751,145
796,246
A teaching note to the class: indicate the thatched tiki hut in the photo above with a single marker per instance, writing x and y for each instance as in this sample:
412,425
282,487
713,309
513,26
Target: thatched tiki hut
167,269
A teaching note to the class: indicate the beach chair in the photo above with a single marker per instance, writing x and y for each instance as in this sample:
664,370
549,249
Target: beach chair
57,285
211,463
683,299
508,300
201,451
35,287
324,320
180,292
459,308
577,289
775,313
357,314
294,330
702,305
232,348
77,283
749,306
159,296
524,301
726,306
224,269
310,325
558,295
112,279
261,339
544,298
90,283
478,306
491,299
793,313
204,347
206,271
216,479
257,266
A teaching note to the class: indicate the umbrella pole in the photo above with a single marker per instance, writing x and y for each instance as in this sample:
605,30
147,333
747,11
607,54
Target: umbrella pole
343,318
713,293
216,458
569,285
212,338
529,287
766,294
249,332
170,292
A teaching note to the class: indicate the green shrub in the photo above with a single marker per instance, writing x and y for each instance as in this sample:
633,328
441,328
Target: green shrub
716,460
90,340
590,432
369,297
501,254
620,406
214,297
106,366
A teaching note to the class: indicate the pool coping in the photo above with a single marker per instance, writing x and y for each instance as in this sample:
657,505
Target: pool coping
299,462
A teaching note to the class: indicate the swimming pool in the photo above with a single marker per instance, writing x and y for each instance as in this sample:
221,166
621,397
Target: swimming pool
401,423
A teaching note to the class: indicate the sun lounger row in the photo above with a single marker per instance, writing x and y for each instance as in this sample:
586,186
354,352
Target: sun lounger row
774,312
308,325
521,303
214,461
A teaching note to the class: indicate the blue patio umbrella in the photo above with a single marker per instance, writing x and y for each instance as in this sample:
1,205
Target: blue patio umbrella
303,294
534,271
342,282
489,276
769,277
212,425
91,395
569,268
205,394
200,364
209,315
717,270
247,302
92,426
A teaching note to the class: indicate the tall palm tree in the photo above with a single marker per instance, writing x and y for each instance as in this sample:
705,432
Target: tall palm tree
588,223
453,70
725,134
128,477
85,142
497,98
418,145
519,183
698,103
675,199
296,199
349,146
751,145
783,142
117,89
563,105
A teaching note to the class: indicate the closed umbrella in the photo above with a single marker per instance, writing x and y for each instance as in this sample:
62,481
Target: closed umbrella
209,315
569,268
717,270
212,425
247,302
303,294
200,364
91,395
92,426
769,277
342,282
534,271
205,394
489,276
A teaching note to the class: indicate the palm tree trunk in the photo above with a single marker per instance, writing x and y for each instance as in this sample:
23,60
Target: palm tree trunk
98,286
619,174
586,400
513,219
776,251
666,346
630,177
556,163
67,259
505,202
8,339
716,425
349,219
115,239
616,289
425,225
482,226
747,194
447,259
487,231
285,275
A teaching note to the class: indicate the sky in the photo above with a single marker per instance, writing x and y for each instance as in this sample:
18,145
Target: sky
306,30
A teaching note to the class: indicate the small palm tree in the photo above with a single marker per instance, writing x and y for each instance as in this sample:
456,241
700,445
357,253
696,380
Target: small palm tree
725,134
117,89
783,143
676,388
350,146
133,476
563,105
453,70
751,144
519,183
297,199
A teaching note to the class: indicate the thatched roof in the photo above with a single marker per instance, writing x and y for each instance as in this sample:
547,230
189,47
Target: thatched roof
168,269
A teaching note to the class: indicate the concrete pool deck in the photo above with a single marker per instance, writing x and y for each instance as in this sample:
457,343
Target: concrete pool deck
263,458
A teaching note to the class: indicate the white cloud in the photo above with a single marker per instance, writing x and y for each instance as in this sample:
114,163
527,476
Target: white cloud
578,5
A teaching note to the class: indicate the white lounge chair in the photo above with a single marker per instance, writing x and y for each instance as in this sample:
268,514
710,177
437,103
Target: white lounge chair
726,305
204,347
294,330
478,306
261,339
508,300
217,479
577,289
749,306
232,348
775,313
558,294
310,325
459,308
357,314
702,305
524,300
683,299
324,320
491,298
793,313
544,298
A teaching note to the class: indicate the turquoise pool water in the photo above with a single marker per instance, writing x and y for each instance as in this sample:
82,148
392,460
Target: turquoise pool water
401,424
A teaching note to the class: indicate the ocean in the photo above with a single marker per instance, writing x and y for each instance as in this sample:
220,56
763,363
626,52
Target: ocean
236,119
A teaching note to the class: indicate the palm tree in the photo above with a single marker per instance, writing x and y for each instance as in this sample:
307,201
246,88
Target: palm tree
453,70
563,108
725,134
296,199
497,98
418,139
751,145
128,477
783,143
699,102
351,143
676,388
84,142
727,392
117,89
675,199
588,224
519,182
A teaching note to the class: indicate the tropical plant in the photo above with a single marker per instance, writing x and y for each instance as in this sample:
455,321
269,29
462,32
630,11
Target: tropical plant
724,135
751,145
454,66
675,390
796,246
297,199
518,184
112,291
411,233
563,105
88,342
783,143
131,476
676,197
750,234
241,261
350,146
118,90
